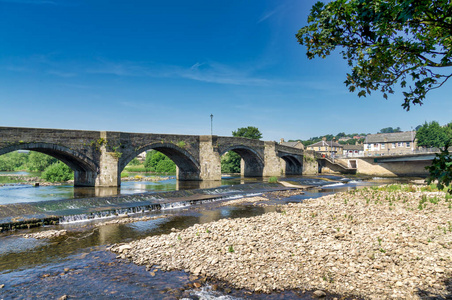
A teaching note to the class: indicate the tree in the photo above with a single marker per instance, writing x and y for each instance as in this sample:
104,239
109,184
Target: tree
432,135
58,172
390,130
249,132
13,161
441,170
159,162
386,42
134,162
39,161
230,162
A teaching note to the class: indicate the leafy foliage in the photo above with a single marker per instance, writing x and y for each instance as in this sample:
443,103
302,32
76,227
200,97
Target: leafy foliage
230,162
13,161
58,172
249,132
390,130
433,135
39,161
329,137
32,161
134,162
441,169
159,163
273,179
386,42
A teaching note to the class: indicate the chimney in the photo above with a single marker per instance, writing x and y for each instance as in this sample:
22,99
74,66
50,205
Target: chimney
282,141
324,138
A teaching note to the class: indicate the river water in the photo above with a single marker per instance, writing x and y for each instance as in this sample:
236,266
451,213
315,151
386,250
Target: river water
79,265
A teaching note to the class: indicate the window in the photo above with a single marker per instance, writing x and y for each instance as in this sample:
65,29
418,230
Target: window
393,145
400,144
408,144
319,148
383,146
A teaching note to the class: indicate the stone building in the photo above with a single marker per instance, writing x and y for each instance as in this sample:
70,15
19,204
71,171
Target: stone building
353,150
390,143
328,148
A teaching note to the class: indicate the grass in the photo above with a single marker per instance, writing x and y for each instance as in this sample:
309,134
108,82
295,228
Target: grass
273,179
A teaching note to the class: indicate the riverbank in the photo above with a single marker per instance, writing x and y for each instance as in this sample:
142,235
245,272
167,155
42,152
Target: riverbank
38,181
372,243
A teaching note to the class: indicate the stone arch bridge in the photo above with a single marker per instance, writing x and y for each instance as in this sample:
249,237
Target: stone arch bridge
98,157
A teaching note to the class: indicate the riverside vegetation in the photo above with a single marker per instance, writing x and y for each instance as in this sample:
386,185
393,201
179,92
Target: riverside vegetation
53,170
386,242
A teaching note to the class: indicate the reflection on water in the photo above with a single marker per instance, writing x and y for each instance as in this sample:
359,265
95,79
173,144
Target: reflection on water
32,268
27,193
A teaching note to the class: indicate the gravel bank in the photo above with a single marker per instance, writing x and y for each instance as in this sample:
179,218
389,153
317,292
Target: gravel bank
49,234
374,244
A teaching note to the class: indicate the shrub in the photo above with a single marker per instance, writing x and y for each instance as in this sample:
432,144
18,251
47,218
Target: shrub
134,162
273,179
58,172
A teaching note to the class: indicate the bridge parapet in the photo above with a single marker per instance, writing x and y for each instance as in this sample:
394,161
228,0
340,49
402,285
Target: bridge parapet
79,149
289,150
98,157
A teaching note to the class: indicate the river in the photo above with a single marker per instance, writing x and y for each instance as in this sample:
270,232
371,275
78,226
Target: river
79,265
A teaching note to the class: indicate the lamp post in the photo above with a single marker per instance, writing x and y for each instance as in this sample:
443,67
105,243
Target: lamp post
211,124
412,140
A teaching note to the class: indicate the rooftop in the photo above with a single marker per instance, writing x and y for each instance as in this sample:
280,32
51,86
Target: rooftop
406,136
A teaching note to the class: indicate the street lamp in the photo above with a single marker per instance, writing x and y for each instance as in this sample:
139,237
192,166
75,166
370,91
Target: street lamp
412,140
211,124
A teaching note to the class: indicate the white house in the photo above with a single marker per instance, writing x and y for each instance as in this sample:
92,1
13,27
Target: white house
390,143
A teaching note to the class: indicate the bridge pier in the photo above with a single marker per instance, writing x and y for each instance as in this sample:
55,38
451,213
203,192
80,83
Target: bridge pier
109,172
210,162
84,178
272,163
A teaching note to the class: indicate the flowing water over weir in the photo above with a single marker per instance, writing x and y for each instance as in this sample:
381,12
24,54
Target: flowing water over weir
78,265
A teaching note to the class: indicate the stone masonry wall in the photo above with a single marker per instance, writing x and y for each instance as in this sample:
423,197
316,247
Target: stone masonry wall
367,166
209,158
272,166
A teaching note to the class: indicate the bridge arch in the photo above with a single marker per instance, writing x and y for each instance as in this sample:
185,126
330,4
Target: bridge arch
187,166
294,165
253,162
85,169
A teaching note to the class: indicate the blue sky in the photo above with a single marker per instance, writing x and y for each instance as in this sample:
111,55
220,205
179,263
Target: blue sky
165,66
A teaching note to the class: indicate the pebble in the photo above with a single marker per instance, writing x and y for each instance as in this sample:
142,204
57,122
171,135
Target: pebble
319,294
45,234
366,243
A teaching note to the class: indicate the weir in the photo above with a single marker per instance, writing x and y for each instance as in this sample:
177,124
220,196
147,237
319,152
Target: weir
98,157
